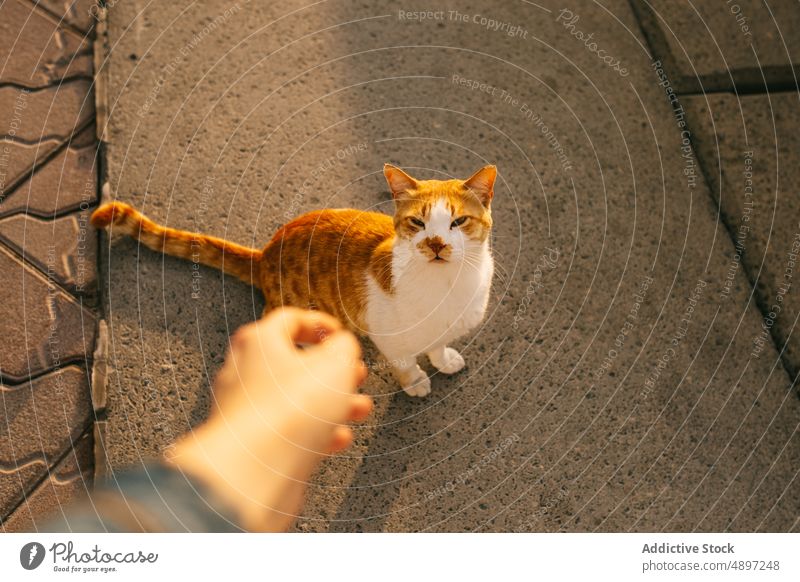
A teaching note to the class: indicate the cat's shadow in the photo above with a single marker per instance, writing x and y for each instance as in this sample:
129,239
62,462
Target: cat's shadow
372,494
375,488
196,308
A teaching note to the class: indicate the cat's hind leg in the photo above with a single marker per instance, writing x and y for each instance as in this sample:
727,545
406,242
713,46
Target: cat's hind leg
446,360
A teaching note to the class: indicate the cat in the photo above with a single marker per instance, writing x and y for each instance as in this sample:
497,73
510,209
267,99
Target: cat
412,283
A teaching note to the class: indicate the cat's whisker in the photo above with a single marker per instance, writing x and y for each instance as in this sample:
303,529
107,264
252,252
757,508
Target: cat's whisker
474,265
500,268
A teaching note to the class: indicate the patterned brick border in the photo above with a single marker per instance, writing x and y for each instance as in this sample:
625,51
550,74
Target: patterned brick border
49,154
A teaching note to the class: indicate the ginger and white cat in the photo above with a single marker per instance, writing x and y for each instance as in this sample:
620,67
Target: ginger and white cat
412,283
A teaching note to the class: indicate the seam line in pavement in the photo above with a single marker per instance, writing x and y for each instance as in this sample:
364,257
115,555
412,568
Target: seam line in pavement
40,163
64,22
78,361
54,83
745,89
47,474
758,300
667,62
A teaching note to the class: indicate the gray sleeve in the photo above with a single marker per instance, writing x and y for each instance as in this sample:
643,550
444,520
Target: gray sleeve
151,498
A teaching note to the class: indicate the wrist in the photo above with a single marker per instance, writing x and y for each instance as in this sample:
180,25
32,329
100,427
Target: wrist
213,455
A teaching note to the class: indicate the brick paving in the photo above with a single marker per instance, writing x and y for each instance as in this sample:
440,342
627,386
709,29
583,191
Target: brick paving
39,50
48,185
67,482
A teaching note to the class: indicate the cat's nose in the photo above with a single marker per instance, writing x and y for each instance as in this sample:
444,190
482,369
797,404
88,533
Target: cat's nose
436,245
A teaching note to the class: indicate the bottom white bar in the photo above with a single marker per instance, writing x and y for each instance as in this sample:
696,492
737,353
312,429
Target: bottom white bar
389,557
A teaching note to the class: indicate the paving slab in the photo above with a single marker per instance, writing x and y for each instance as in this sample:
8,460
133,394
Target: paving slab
35,51
610,387
82,14
19,160
751,149
43,418
68,244
67,182
65,484
53,113
41,326
15,481
714,46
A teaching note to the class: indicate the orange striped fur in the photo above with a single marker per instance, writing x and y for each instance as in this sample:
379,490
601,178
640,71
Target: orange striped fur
236,260
322,259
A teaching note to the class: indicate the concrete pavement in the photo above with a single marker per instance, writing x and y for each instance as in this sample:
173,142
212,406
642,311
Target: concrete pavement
612,386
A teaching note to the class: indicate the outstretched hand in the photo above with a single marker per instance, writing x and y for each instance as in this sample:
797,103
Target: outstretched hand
278,410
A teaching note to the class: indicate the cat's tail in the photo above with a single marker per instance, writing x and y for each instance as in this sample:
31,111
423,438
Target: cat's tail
236,260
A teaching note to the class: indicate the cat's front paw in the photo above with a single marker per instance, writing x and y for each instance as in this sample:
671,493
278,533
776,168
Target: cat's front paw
449,362
416,383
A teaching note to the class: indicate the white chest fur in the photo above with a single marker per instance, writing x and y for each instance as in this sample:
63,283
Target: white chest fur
432,303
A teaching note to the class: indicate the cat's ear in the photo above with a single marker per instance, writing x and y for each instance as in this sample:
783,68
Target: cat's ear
398,180
481,183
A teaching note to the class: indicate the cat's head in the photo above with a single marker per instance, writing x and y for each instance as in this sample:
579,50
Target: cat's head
442,221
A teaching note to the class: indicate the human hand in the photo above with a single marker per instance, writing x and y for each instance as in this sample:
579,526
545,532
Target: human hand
278,410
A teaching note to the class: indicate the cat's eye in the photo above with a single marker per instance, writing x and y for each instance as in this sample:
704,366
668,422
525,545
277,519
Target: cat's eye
417,222
458,221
